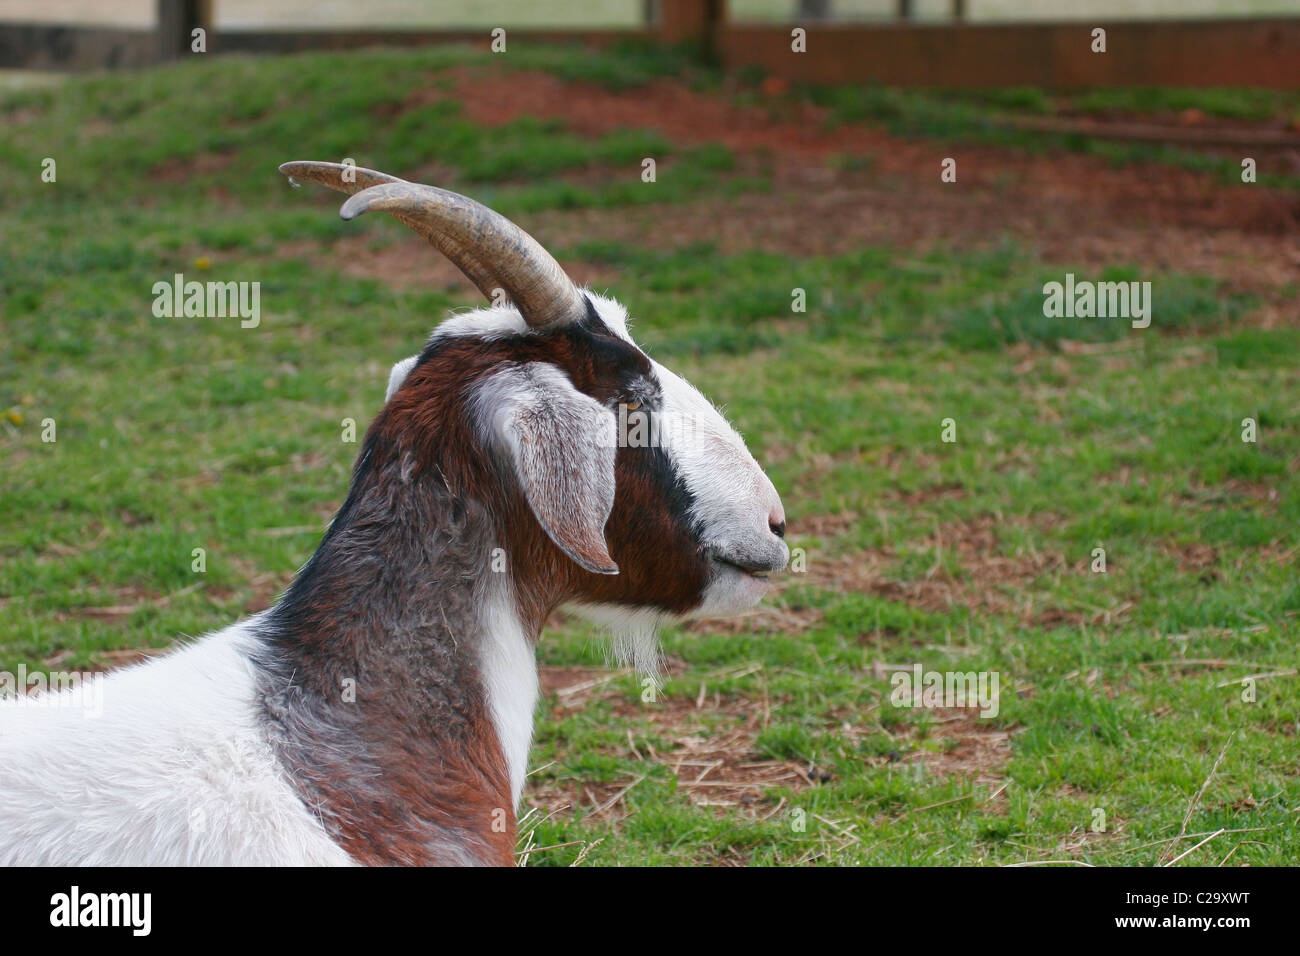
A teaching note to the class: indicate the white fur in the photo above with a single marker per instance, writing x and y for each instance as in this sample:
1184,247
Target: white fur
494,323
734,498
176,771
735,501
509,667
488,324
633,632
398,375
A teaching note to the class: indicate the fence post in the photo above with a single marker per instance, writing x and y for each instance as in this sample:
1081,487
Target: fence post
694,22
177,20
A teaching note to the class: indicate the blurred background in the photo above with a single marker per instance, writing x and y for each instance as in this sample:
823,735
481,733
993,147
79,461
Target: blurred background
847,249
625,14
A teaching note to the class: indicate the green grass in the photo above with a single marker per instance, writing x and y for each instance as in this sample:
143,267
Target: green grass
1226,102
176,434
980,116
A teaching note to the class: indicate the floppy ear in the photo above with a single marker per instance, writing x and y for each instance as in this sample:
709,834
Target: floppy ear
398,375
561,445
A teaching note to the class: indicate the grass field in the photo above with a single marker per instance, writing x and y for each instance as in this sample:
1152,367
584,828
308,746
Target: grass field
1127,730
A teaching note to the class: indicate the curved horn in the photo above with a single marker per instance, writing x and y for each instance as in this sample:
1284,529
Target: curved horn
333,175
491,250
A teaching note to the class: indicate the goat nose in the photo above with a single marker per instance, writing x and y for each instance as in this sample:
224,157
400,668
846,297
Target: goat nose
776,522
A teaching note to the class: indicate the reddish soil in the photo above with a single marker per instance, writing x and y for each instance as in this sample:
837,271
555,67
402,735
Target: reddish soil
408,263
716,764
840,188
1070,207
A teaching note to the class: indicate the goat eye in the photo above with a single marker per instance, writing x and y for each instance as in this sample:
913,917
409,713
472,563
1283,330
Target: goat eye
632,406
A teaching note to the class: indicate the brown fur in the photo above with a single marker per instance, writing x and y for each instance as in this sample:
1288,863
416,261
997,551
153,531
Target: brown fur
412,772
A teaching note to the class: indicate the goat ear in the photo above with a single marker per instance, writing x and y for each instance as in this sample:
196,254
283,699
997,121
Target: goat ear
398,375
561,445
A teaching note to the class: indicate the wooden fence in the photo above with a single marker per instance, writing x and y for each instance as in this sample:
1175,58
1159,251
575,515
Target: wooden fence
1237,52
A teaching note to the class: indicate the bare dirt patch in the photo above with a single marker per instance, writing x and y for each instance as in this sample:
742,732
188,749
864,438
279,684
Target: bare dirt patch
173,171
943,491
989,580
765,618
104,660
952,741
797,134
1234,491
409,263
981,577
1070,207
969,747
716,765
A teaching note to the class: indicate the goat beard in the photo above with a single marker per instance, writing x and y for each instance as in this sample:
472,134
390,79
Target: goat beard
634,643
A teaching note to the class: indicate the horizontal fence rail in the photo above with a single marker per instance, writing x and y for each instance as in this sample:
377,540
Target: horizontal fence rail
1262,53
26,46
1228,52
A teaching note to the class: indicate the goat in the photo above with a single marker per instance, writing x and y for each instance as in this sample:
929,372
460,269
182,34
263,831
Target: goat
382,711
